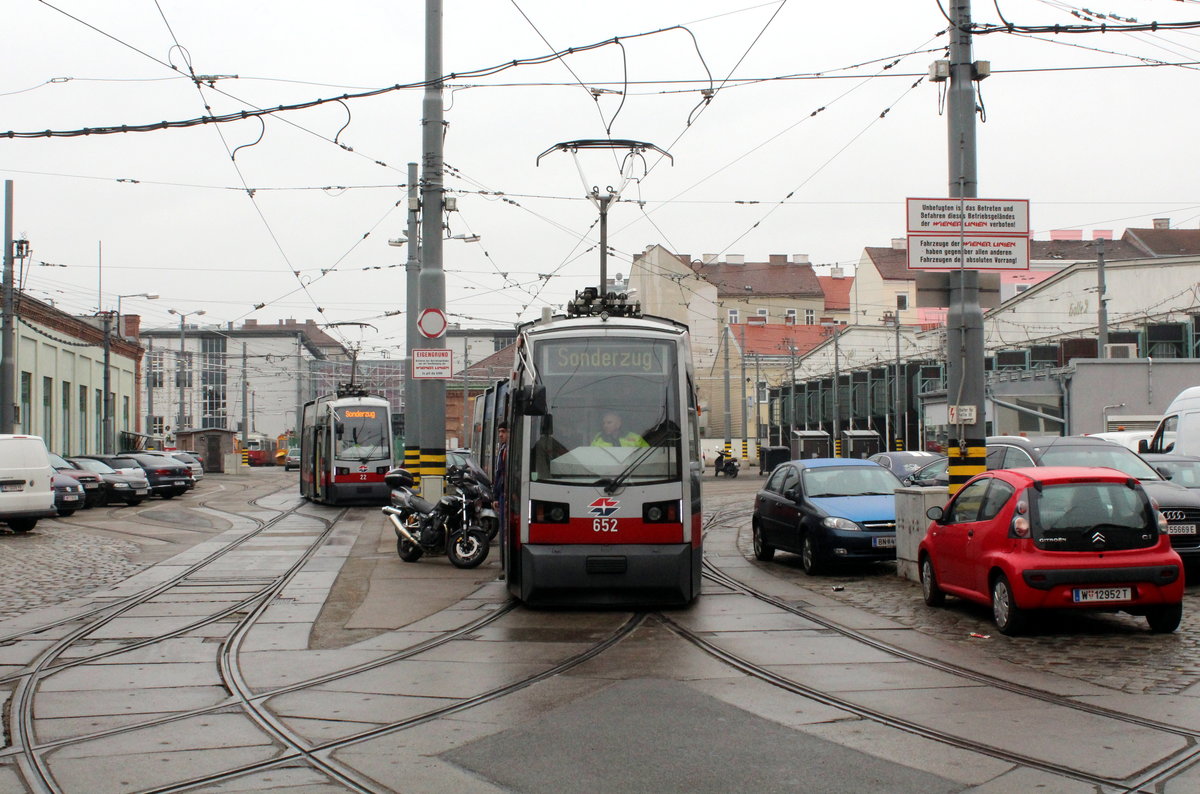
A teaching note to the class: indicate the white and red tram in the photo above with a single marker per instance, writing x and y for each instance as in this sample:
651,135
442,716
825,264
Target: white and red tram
346,448
596,519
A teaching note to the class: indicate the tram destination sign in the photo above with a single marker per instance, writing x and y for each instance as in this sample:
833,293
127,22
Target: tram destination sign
973,234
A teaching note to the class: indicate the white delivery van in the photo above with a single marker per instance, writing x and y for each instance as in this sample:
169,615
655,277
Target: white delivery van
25,473
1179,430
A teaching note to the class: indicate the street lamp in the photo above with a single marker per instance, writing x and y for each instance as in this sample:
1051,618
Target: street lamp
146,295
182,319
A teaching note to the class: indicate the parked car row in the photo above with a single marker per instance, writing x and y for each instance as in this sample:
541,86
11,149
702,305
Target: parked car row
36,483
1054,523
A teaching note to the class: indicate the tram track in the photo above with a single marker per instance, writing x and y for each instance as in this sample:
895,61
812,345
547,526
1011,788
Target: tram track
1155,775
320,754
26,682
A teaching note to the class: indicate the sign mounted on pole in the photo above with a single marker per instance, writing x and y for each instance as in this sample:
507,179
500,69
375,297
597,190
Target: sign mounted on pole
432,323
432,364
968,234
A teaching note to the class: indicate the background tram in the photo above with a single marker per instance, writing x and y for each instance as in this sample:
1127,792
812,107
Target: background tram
345,448
259,449
595,523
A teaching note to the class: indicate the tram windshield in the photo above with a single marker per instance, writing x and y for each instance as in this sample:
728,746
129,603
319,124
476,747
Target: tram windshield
361,434
613,412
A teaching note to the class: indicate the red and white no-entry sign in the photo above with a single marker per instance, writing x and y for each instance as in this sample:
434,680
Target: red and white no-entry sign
432,323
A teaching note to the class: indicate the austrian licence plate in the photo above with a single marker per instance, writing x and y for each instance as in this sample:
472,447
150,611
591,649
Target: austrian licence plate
13,487
1083,595
1181,529
888,542
71,497
142,491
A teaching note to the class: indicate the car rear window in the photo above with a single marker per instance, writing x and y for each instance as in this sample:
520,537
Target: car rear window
1092,516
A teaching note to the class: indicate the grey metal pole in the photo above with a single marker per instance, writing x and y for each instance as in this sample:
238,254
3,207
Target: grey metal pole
412,271
245,405
745,408
182,374
728,413
106,427
8,346
792,397
837,379
150,389
898,433
964,320
1102,308
299,424
757,415
433,277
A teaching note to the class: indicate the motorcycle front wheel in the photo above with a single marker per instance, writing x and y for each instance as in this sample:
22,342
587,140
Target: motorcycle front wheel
468,549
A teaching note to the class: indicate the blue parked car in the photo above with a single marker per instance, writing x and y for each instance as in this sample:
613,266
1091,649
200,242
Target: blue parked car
827,510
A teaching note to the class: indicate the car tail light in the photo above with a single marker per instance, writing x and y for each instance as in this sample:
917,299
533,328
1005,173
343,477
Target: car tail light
164,472
1020,527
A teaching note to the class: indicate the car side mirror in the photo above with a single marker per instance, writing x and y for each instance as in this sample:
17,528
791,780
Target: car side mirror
1163,472
935,513
792,494
1143,445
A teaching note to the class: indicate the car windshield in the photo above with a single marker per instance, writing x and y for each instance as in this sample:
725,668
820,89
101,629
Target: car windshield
932,470
613,412
830,481
1183,472
1109,455
123,463
94,465
59,462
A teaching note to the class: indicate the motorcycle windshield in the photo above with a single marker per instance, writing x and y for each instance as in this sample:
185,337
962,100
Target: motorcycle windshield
613,412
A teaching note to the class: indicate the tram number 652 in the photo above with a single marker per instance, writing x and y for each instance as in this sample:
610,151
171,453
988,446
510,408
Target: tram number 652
604,525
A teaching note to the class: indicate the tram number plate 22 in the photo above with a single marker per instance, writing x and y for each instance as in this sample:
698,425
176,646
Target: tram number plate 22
604,525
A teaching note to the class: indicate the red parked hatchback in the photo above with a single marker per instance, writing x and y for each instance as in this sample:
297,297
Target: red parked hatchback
1053,538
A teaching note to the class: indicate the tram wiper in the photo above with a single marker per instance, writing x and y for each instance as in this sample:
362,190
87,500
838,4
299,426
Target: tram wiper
611,485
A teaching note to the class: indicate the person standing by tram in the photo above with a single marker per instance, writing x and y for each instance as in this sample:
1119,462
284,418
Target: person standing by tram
500,472
610,434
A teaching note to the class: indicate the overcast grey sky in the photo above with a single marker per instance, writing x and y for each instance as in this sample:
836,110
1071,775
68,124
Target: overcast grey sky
808,144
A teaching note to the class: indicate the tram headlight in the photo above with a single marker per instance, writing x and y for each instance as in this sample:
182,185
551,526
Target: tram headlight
549,512
661,512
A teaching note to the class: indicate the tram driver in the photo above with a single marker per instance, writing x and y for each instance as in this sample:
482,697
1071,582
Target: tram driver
610,434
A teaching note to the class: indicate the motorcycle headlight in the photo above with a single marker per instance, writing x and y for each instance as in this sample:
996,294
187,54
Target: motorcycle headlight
836,522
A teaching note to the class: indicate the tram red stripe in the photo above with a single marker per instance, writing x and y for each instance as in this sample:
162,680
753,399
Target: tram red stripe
628,530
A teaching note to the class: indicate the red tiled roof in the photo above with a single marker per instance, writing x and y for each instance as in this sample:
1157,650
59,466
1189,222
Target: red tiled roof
776,339
837,292
498,365
763,278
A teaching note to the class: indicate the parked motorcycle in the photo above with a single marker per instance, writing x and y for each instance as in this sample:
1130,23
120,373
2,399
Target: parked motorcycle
450,525
729,466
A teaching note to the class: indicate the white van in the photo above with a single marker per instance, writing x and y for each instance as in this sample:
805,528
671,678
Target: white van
1179,430
25,473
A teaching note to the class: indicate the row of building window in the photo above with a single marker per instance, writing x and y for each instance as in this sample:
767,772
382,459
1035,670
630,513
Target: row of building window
79,427
810,315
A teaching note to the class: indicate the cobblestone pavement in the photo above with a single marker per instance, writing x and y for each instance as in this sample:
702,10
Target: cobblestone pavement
56,562
1111,650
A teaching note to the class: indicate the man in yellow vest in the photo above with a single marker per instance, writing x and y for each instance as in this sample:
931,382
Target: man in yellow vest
610,434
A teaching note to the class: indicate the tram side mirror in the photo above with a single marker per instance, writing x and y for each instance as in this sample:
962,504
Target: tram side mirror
531,400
